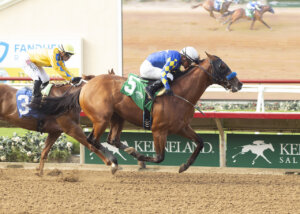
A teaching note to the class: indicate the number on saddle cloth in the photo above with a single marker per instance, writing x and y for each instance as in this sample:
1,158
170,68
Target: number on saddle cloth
249,13
134,87
23,98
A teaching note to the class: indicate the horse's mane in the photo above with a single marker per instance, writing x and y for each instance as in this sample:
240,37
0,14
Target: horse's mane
180,74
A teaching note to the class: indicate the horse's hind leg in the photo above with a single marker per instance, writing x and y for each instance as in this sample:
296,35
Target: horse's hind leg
74,130
212,14
52,137
189,133
116,127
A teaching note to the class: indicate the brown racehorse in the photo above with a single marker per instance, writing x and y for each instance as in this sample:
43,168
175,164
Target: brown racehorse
209,6
240,13
104,104
54,126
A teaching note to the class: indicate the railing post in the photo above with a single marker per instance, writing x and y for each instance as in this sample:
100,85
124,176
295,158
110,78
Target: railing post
222,143
260,107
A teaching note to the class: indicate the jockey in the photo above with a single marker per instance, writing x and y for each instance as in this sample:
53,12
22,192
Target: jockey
35,60
159,66
252,6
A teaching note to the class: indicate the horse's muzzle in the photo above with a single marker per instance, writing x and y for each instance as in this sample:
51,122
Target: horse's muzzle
237,87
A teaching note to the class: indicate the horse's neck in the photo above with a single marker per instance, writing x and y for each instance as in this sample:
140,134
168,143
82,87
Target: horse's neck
192,85
263,9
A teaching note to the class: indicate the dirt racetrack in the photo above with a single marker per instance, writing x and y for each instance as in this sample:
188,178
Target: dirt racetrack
93,191
258,54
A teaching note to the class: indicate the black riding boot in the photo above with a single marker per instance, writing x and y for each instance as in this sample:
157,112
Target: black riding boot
37,95
152,89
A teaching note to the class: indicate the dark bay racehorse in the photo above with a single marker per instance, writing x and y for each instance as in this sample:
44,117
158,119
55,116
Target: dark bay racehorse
241,14
209,6
54,126
104,104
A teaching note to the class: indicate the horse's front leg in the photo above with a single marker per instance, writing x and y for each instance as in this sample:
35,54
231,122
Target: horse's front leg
262,21
189,133
160,139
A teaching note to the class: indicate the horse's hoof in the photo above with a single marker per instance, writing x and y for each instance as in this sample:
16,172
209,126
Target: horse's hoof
40,174
142,164
129,150
114,168
182,168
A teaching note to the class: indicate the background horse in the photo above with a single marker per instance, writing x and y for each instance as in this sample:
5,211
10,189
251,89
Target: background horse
54,126
241,13
104,104
209,6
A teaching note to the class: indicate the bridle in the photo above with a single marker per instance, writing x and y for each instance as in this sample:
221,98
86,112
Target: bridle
217,76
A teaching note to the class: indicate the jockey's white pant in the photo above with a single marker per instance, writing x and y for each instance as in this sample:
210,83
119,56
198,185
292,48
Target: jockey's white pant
147,70
33,71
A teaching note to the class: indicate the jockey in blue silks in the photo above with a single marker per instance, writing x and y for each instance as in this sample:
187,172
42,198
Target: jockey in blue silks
252,6
159,66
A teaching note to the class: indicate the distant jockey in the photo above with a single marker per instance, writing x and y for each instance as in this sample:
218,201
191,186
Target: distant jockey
161,65
252,6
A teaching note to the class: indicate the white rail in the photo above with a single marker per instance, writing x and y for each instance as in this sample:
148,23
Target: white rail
260,89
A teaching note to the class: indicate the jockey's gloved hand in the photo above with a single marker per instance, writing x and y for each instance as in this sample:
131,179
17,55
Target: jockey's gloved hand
75,80
169,92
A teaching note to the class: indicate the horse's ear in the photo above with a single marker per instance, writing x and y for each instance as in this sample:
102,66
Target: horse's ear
208,55
87,77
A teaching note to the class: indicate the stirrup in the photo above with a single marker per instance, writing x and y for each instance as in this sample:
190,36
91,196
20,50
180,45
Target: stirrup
149,94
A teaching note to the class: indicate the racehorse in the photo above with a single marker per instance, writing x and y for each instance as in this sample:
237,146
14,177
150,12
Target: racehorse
241,13
102,102
54,126
210,7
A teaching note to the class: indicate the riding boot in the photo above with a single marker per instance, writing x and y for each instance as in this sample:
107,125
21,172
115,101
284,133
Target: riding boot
152,89
37,95
44,85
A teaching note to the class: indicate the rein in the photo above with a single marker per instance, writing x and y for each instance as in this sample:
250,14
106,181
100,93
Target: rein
195,106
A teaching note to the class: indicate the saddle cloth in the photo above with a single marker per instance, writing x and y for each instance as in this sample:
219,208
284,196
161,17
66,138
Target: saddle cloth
134,87
23,98
249,13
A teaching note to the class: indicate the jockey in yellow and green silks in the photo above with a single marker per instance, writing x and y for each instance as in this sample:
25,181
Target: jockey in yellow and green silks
159,65
36,59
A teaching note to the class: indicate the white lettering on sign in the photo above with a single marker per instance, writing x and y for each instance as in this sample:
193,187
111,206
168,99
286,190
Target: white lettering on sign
173,147
288,160
289,149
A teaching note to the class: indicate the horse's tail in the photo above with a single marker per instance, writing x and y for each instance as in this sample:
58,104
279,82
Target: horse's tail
59,105
197,5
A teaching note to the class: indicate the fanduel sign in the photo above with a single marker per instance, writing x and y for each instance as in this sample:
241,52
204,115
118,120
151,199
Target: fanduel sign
11,50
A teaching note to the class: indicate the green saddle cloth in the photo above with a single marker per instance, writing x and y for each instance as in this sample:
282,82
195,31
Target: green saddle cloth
134,87
249,13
